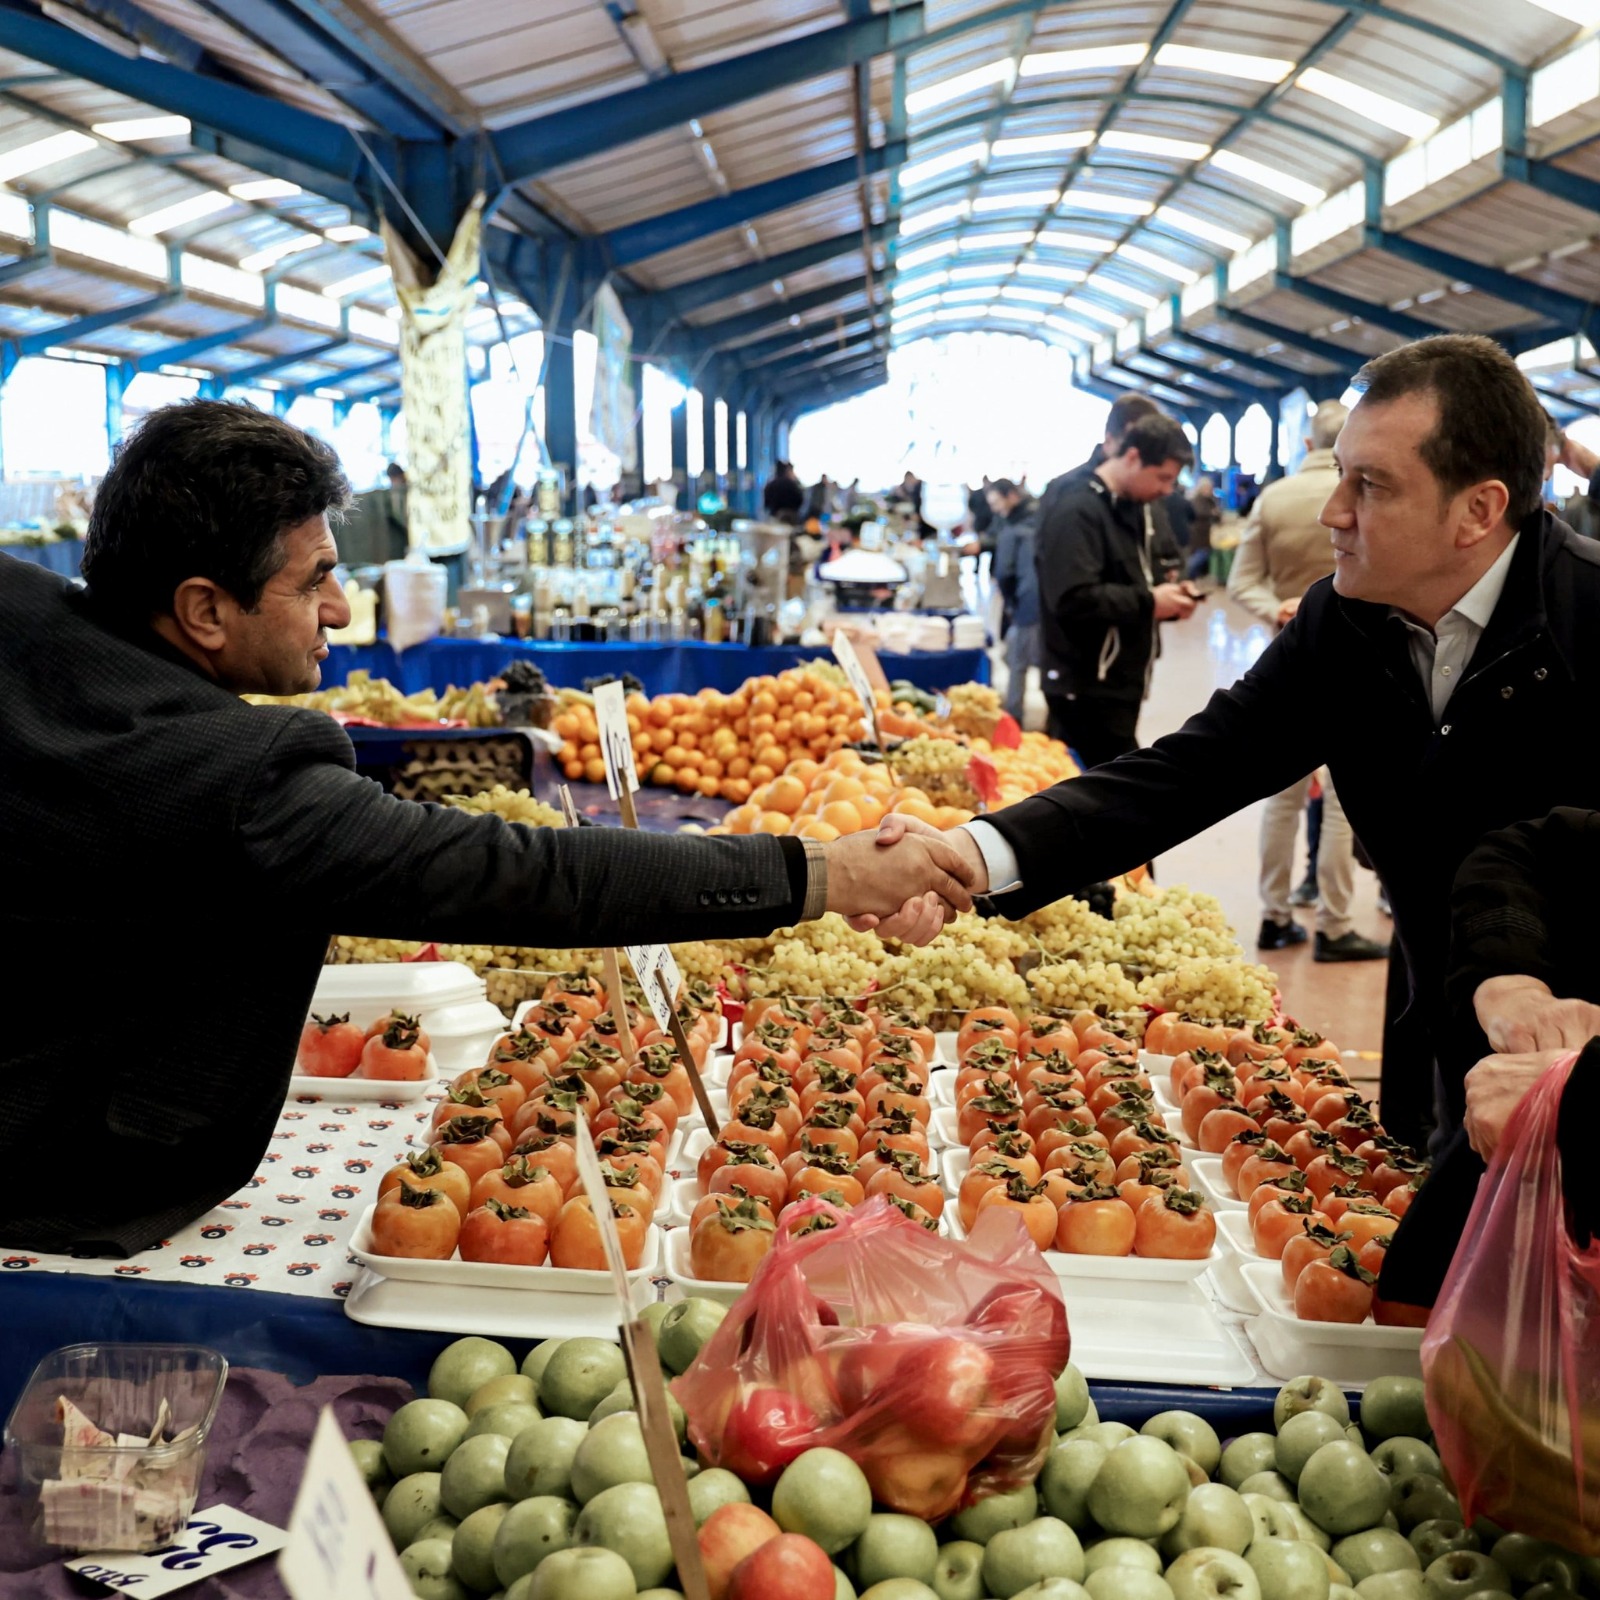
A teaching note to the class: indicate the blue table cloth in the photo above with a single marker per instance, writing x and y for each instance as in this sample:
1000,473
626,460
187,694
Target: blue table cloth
64,556
662,668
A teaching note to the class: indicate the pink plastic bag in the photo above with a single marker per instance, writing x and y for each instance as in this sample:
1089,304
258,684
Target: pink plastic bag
1512,1354
929,1362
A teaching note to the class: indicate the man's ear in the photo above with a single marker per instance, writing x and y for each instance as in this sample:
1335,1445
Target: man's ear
199,608
1483,510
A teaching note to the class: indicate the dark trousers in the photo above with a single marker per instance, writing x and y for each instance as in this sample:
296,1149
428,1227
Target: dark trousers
1406,1077
1313,836
1096,730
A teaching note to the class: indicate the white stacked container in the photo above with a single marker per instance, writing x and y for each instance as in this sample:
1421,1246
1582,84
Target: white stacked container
448,997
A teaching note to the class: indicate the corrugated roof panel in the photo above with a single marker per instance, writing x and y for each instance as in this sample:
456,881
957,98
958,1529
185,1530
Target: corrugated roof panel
641,180
1505,225
1386,280
1300,155
692,33
1526,33
1364,339
843,269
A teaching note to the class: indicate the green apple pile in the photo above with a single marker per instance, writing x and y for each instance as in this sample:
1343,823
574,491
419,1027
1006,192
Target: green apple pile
533,1483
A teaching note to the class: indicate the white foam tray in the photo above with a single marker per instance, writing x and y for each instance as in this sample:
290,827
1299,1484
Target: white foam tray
455,1274
357,1090
381,1302
945,1049
1112,1269
1141,1332
1233,1232
1206,1171
1346,1352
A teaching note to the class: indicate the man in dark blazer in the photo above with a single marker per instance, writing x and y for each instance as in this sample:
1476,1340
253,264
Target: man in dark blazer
1446,674
175,859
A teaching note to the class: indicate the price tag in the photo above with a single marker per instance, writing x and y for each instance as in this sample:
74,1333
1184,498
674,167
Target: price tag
844,652
212,1541
569,811
616,742
338,1546
594,1185
941,707
658,977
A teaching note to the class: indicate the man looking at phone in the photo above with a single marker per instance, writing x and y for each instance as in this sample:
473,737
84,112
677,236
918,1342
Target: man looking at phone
1105,582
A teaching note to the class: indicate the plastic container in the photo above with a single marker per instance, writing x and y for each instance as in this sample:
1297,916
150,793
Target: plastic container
1206,1171
141,1495
371,989
463,1034
1349,1353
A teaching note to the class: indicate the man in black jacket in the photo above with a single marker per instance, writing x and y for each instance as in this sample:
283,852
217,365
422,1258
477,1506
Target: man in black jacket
1103,588
175,859
1446,674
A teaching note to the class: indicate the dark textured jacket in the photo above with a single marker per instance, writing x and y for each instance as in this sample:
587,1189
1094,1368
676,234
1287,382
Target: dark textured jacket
1015,574
173,863
1338,687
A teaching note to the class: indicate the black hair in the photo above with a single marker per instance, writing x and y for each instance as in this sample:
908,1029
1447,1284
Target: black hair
204,489
1158,440
1126,410
1002,487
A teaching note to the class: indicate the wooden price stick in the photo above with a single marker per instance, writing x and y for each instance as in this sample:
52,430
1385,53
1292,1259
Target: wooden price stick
658,977
613,965
649,1386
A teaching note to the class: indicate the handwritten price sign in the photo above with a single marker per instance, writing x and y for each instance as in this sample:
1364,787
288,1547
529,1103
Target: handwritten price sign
658,977
212,1542
844,652
616,739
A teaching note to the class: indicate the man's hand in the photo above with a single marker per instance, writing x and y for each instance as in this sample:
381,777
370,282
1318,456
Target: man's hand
1578,458
905,887
1495,1088
1286,612
1172,603
897,826
1520,1015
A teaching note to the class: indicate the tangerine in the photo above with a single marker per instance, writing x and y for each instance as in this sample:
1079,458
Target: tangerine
844,789
842,815
816,828
785,794
772,822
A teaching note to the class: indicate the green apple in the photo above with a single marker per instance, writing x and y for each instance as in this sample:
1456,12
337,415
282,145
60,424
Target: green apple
1245,1456
1053,1589
1127,1583
843,1589
368,1457
421,1434
654,1315
583,1574
472,1547
1018,1557
1272,1484
1310,1394
531,1530
685,1329
1064,1483
1215,1515
1270,1517
613,1451
540,1459
410,1506
497,1391
1341,1591
983,1519
824,1495
1141,1489
578,1376
1438,1537
463,1367
1393,1408
475,1474
1464,1572
714,1487
508,1417
538,1358
1375,1550
1301,1436
627,1519
1120,1552
426,1565
1404,1457
1288,1570
1421,1497
1305,1530
1072,1399
894,1546
621,1399
958,1573
442,1526
1531,1561
1107,1434
1208,1574
1189,1435
1342,1492
899,1589
1402,1584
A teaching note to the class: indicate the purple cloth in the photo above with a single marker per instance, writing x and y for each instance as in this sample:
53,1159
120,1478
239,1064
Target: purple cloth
254,1457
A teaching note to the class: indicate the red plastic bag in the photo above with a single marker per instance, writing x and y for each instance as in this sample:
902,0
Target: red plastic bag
1511,1358
931,1363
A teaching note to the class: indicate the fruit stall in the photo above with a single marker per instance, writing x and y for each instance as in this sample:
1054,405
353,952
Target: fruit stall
1040,1261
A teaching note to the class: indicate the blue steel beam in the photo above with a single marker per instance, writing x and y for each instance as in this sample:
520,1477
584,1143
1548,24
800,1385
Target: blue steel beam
1227,387
1157,389
180,355
1290,376
243,377
1340,358
716,335
700,292
528,149
1568,311
671,229
1348,305
750,358
343,376
33,344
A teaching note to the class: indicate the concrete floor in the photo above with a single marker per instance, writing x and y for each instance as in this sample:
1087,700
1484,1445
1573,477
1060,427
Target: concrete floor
1343,1000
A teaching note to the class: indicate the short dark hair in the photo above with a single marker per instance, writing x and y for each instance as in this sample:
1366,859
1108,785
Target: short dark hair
1126,410
1002,486
204,489
1491,424
1158,439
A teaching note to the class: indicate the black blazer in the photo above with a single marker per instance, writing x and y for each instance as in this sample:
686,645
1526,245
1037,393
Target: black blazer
1338,687
174,862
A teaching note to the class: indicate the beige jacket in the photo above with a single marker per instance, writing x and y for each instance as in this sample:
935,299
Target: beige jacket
1284,549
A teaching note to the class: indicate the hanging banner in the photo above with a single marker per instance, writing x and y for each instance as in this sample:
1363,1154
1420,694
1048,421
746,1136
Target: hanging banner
611,415
433,383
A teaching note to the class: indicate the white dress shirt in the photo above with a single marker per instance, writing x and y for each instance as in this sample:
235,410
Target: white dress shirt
1441,656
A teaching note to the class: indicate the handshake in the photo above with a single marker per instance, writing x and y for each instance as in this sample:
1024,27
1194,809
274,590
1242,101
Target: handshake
906,880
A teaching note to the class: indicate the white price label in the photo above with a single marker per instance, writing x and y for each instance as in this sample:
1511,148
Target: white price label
338,1546
844,652
659,978
594,1185
212,1542
616,741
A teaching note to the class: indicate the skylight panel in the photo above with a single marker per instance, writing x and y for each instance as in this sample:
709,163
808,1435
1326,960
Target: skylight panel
1266,177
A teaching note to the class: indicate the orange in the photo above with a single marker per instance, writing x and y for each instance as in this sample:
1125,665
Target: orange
870,809
709,786
842,815
759,797
674,755
816,828
594,770
785,794
844,789
660,713
761,773
688,779
920,809
661,773
763,704
772,822
811,805
688,738
742,819
661,739
566,725
786,691
572,770
762,724
711,767
739,767
804,770
738,791
804,700
719,829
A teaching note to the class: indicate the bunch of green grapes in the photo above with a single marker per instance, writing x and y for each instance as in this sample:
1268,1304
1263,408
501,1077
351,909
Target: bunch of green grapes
974,709
1214,988
923,757
1069,928
345,948
515,805
1072,985
950,975
997,940
709,958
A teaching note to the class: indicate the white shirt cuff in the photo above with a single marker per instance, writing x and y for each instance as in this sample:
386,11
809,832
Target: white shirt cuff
998,857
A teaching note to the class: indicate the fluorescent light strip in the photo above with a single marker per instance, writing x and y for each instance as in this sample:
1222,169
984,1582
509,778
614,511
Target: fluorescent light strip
346,233
182,211
922,255
1367,103
1148,144
1111,319
1120,291
920,172
971,274
1075,329
28,158
262,259
924,221
1202,229
1022,200
954,297
1038,297
1011,239
1019,313
1224,63
143,128
1074,241
264,189
1116,205
1042,144
1155,263
1039,269
1100,59
1265,177
938,94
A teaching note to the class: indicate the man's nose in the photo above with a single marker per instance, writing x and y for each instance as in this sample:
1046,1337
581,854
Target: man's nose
1337,511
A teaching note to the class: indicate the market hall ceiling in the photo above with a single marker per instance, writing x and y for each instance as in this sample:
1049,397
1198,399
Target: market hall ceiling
1223,201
